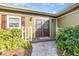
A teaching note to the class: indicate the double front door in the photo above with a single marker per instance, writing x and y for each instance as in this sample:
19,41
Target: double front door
42,28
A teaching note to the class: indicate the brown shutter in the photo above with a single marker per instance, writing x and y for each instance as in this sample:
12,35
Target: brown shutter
23,21
3,21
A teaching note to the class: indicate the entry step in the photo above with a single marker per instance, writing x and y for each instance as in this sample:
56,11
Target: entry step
43,39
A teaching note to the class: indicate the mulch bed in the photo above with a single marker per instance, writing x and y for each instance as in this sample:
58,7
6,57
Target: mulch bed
17,52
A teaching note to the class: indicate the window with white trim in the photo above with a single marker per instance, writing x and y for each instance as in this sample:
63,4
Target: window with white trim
13,22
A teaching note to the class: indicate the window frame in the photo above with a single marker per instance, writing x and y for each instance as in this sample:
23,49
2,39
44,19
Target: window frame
13,17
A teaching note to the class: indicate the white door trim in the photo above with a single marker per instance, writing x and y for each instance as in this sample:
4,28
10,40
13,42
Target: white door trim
50,27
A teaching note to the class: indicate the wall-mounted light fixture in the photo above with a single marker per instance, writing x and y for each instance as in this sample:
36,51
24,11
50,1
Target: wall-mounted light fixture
30,19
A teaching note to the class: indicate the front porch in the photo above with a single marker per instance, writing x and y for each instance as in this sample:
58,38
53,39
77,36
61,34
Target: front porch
45,32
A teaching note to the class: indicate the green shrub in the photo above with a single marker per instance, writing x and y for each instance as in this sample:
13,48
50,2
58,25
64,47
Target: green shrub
11,44
16,33
11,39
68,40
2,46
27,44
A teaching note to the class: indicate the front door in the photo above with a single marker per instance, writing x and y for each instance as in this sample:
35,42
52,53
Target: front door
42,28
38,28
46,28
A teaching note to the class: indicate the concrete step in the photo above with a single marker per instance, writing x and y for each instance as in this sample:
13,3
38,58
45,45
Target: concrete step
43,39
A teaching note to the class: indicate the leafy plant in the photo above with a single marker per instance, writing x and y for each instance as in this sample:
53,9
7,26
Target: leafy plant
27,44
68,40
11,44
16,33
2,47
11,39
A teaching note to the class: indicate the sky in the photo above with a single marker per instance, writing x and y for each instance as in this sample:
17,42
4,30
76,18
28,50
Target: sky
44,7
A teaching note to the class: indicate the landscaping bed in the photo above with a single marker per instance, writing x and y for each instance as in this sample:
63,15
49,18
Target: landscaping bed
67,40
17,52
12,44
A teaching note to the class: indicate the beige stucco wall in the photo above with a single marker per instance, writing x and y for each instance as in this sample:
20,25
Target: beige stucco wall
0,21
70,19
53,28
28,23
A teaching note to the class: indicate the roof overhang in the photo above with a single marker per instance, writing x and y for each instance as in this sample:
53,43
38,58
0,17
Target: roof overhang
25,11
29,11
72,8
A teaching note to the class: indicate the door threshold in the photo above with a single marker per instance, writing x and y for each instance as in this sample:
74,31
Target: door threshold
38,41
44,37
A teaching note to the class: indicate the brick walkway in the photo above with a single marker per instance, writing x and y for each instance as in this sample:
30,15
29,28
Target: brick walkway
47,48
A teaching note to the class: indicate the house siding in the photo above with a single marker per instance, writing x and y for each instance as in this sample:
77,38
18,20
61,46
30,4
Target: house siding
53,28
0,21
30,23
70,19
